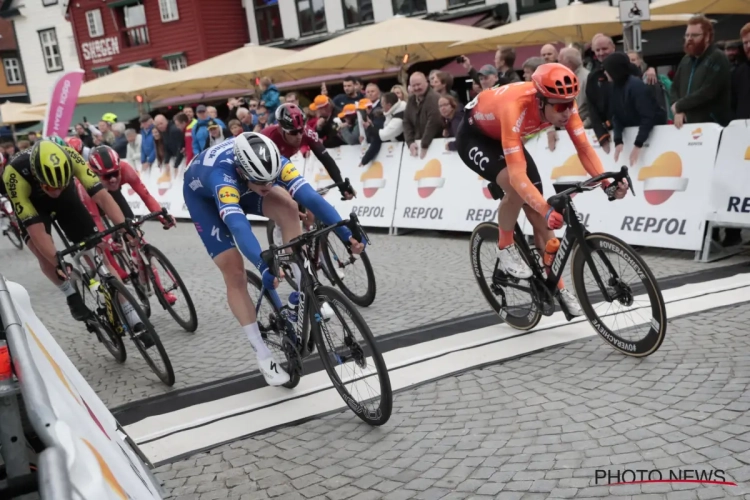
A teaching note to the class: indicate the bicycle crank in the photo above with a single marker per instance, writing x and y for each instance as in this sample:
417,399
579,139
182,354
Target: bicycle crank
294,360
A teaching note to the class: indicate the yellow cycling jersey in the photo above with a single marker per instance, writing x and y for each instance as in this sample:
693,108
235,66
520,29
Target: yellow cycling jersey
25,191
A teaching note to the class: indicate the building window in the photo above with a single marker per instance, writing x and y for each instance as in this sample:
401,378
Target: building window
12,71
135,33
409,7
50,50
47,3
101,71
94,22
531,6
268,21
453,4
168,9
357,12
177,63
312,17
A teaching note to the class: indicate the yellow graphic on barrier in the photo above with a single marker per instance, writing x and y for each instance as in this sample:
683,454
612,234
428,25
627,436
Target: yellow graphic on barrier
372,179
109,478
429,178
570,172
663,178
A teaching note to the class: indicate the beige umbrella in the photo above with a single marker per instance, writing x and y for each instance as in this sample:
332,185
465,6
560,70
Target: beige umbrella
237,69
12,113
701,7
394,42
123,86
574,23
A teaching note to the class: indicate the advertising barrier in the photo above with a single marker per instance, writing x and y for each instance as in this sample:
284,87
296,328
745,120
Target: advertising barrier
100,465
679,181
730,195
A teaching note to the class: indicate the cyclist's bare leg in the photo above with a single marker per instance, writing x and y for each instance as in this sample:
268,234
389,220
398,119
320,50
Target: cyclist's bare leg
232,268
279,206
48,269
510,208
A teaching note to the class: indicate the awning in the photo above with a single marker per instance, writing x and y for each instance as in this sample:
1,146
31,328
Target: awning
122,3
468,20
479,59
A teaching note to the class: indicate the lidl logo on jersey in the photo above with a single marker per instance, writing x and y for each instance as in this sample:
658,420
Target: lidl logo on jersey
289,173
228,194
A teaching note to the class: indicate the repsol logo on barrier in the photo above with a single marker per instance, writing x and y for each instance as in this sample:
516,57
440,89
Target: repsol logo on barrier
423,213
135,204
165,204
654,225
737,204
377,212
485,214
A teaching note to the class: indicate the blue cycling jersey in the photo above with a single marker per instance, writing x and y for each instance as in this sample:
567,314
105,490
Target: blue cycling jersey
218,200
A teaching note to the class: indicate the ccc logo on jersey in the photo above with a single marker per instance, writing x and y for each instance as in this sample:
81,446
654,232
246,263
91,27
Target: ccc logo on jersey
289,173
228,194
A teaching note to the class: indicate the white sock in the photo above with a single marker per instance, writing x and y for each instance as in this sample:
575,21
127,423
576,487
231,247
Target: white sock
67,288
256,341
297,273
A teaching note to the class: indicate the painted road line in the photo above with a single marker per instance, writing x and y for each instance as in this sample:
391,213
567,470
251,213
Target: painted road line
167,436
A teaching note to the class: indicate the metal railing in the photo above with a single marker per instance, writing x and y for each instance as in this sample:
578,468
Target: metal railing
135,36
52,481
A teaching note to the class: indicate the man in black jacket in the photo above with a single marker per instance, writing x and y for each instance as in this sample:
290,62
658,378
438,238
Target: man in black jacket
174,140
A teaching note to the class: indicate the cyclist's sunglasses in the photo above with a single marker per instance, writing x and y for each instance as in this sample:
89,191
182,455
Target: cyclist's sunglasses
293,132
262,183
561,107
110,176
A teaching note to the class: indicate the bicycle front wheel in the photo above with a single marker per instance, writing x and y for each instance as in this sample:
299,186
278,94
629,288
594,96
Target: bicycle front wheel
356,281
106,332
166,282
14,235
615,263
163,370
355,365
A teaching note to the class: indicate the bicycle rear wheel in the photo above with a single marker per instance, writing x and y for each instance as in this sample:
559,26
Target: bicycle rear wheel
612,277
14,234
189,321
511,299
340,263
270,324
165,372
341,361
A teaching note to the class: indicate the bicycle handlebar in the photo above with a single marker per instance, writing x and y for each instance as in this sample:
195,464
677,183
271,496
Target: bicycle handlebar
343,184
93,240
589,184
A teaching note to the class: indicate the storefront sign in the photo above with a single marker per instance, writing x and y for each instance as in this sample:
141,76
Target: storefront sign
99,51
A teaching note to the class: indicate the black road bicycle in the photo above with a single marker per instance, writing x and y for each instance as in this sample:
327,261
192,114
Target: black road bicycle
338,261
152,273
102,292
294,333
586,248
13,231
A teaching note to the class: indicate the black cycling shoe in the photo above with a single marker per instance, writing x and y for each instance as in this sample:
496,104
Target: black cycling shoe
78,309
143,336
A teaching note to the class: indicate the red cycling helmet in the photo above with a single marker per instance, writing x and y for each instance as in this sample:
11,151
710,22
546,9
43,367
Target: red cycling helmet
290,117
75,143
104,160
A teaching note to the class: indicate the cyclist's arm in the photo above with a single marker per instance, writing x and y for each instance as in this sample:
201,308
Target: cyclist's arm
586,153
306,196
322,155
109,206
92,208
130,176
234,217
515,159
19,194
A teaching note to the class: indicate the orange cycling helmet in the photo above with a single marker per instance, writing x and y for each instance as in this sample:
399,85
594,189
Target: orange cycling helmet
556,81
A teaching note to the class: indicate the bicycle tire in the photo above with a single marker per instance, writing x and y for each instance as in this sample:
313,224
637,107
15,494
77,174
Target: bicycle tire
191,325
141,294
489,231
364,300
294,375
14,235
336,299
166,376
113,342
653,340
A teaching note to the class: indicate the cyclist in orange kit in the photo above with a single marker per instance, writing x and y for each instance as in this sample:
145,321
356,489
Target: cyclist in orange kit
491,138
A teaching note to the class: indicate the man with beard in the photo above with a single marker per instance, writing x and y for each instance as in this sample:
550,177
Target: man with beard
701,85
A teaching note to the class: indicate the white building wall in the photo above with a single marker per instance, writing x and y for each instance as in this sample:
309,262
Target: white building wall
33,18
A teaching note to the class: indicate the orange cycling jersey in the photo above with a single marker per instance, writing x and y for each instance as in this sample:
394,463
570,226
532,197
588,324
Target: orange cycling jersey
510,112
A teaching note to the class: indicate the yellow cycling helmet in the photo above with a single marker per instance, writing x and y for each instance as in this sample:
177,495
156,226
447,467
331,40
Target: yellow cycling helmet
109,117
51,165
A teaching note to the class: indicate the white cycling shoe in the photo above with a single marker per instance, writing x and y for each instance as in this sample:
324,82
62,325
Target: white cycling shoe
272,371
571,302
511,262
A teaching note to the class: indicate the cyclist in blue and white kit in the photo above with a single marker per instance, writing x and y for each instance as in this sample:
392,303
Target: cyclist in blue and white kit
247,175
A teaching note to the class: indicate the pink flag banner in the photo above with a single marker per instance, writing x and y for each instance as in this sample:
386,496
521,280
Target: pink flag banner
62,103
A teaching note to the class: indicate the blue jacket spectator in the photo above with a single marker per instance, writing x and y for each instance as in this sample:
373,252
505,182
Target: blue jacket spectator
200,133
270,98
148,148
633,103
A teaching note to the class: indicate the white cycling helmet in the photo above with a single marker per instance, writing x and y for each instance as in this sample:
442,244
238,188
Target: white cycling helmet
258,156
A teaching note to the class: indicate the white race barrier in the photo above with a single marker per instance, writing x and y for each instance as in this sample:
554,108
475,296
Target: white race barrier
730,197
100,465
677,187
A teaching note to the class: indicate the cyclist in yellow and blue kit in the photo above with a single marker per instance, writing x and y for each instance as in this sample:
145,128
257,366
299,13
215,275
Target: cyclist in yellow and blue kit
247,175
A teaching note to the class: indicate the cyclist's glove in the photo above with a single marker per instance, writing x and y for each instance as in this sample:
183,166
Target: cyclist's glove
346,188
554,219
167,221
61,274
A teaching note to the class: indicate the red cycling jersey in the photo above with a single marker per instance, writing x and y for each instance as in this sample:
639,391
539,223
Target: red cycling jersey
128,175
510,112
310,140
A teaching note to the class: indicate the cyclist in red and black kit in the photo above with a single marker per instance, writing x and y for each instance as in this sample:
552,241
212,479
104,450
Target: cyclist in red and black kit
290,134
